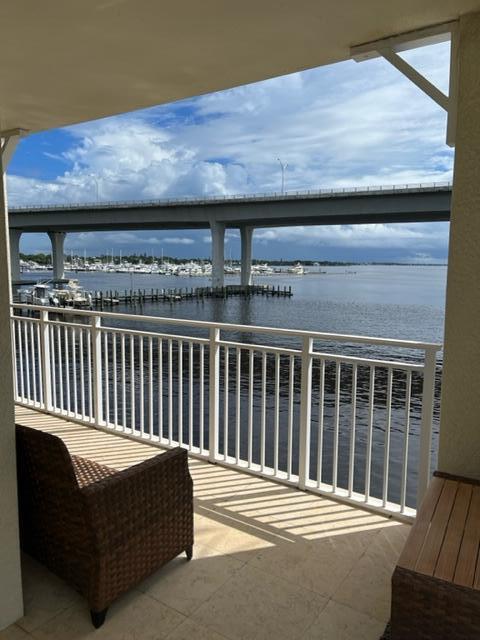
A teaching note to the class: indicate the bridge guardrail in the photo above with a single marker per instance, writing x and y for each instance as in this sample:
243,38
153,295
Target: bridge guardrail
219,199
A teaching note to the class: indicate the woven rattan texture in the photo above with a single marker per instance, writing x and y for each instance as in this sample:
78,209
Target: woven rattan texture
102,531
88,471
425,608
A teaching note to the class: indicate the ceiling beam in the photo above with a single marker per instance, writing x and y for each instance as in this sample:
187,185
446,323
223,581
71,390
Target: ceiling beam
403,41
389,48
414,76
9,141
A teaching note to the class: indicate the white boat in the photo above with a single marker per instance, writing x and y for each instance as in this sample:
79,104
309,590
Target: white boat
297,270
262,270
40,295
71,295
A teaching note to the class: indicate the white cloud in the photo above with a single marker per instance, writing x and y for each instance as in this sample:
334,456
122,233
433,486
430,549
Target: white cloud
423,258
361,236
179,240
118,237
207,239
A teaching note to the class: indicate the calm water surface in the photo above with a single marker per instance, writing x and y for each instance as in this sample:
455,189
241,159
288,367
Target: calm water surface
388,301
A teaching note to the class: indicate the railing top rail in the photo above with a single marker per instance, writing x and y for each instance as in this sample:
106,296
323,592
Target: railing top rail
248,197
200,324
321,355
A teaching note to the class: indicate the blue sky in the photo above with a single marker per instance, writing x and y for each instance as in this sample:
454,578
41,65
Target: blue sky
342,125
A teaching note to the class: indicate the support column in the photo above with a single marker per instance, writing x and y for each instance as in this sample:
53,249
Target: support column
218,253
58,257
11,602
15,235
246,234
459,447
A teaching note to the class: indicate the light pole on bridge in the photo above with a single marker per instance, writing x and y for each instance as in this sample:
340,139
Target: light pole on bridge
95,179
283,166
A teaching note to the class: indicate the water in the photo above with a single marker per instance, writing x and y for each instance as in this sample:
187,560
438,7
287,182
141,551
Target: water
404,302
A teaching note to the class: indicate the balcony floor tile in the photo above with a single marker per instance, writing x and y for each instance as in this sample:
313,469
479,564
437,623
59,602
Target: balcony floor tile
14,632
44,595
367,587
134,616
255,604
190,630
184,586
320,566
339,622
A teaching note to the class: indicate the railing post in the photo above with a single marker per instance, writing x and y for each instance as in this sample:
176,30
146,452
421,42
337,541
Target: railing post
214,393
97,376
46,364
305,412
16,393
428,400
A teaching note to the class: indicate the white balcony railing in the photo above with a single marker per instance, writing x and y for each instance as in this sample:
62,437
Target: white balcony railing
356,425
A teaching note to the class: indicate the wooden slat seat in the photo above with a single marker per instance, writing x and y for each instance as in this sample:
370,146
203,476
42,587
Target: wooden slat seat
436,584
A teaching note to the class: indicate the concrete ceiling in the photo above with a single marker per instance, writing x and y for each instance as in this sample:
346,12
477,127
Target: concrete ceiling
67,61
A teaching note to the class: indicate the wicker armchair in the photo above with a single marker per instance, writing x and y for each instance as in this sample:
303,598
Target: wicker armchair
101,530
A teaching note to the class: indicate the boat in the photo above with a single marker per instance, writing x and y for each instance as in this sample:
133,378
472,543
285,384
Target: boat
69,295
72,295
40,295
262,270
297,270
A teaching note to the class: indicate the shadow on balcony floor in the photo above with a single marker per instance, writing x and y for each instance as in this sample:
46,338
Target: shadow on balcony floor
269,561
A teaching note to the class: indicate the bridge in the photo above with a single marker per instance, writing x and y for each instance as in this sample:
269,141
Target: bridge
359,205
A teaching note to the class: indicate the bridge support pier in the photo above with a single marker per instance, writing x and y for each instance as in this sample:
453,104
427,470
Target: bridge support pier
57,239
246,234
217,230
15,235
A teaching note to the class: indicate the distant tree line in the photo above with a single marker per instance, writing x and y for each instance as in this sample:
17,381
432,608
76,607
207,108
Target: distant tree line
39,258
143,258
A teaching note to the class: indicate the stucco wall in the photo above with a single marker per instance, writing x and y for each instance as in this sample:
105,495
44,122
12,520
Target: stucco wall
460,421
11,605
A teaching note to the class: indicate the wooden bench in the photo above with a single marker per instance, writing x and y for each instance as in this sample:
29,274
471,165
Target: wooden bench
436,584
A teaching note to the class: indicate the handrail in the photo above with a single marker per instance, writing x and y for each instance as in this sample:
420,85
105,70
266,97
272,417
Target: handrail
200,324
157,386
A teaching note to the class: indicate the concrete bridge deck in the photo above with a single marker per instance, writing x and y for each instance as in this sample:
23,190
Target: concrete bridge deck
406,203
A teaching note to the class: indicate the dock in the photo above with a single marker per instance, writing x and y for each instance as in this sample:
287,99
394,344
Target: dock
135,297
102,299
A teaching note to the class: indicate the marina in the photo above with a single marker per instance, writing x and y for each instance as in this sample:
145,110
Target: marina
75,296
152,266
